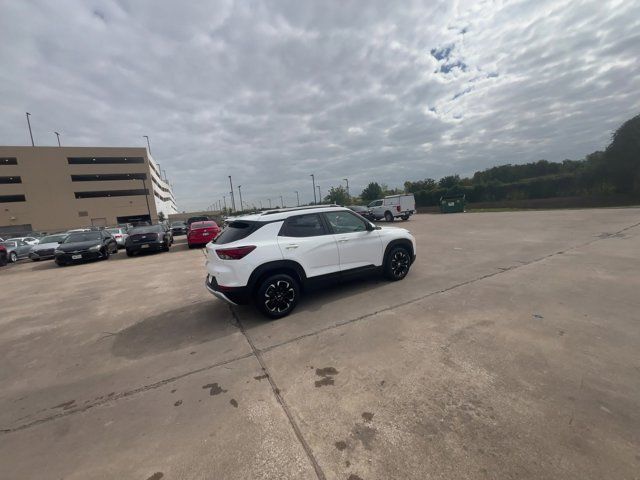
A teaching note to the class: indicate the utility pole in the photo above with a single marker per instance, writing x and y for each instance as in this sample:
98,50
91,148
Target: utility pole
298,197
240,193
146,196
233,200
313,179
30,133
58,135
225,202
281,202
319,195
269,203
148,144
348,196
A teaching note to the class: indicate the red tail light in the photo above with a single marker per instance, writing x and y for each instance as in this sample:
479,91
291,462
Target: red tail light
398,208
235,253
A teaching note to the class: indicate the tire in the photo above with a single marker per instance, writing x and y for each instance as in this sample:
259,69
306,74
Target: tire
166,246
277,295
106,253
13,257
405,217
388,216
397,263
35,259
129,253
60,264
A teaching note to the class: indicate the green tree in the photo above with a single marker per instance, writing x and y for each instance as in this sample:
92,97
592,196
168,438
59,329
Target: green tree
371,192
337,195
449,181
622,157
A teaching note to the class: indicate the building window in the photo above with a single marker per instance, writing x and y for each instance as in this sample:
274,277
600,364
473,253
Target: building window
8,161
100,177
83,213
12,198
112,193
10,179
103,160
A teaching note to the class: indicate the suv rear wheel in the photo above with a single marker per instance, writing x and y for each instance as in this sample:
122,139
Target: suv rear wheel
277,295
397,263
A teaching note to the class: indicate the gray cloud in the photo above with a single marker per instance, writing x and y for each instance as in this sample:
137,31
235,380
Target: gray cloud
271,91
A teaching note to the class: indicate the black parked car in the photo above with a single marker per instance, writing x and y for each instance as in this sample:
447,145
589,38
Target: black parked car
82,246
179,228
360,210
154,237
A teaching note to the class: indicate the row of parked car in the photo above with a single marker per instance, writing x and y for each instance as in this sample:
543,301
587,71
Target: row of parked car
94,243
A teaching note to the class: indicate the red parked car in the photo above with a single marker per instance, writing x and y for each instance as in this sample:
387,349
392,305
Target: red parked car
3,256
201,233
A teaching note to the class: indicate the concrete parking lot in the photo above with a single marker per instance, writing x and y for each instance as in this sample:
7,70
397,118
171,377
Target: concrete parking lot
511,350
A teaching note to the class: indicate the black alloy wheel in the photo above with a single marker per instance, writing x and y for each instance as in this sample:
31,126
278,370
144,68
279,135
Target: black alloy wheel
277,295
398,263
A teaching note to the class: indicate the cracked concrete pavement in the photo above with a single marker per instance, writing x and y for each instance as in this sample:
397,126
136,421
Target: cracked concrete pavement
510,350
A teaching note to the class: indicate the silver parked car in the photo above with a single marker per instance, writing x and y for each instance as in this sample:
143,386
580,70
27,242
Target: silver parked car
27,240
16,249
46,247
120,234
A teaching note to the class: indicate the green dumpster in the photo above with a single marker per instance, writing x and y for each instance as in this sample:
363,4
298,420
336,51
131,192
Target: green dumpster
452,204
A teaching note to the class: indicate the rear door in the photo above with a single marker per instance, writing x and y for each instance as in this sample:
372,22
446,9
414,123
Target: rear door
305,240
357,246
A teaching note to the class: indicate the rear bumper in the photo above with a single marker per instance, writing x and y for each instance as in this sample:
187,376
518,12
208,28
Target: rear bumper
231,295
145,247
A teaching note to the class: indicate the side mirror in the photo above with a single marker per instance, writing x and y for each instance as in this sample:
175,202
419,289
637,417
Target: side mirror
370,227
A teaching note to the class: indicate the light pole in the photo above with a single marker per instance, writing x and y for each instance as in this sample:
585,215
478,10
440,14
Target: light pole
281,202
233,200
260,204
269,202
348,196
225,202
148,144
298,197
30,134
313,179
319,195
58,135
146,196
240,193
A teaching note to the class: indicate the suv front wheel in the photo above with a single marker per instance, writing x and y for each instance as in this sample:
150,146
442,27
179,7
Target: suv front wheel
397,263
277,295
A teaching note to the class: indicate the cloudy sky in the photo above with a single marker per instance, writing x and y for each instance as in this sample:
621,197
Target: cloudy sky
271,91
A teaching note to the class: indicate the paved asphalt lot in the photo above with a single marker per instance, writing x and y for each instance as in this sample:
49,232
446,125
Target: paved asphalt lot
510,351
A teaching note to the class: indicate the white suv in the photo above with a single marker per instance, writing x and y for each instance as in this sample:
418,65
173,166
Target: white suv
269,258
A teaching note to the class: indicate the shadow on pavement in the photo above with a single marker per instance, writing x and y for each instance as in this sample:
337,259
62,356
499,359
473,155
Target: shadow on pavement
173,330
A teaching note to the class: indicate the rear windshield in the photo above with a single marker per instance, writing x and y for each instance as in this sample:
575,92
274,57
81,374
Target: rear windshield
204,225
237,231
197,219
151,229
83,237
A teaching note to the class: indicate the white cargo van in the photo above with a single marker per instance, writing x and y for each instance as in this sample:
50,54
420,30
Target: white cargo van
393,206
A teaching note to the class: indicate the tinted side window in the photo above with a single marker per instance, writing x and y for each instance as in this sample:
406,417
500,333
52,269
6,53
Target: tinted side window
345,222
303,226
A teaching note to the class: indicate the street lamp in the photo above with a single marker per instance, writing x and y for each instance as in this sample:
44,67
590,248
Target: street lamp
240,192
58,135
348,196
313,179
298,197
233,200
281,202
224,197
269,202
148,144
146,196
260,204
30,134
319,195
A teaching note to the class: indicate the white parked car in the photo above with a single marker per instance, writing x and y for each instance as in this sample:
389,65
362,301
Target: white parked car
271,257
120,234
45,248
392,207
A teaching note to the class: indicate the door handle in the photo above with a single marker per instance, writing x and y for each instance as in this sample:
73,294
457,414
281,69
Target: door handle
292,246
342,240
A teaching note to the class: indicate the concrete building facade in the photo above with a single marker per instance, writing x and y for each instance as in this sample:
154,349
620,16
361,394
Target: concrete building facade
59,188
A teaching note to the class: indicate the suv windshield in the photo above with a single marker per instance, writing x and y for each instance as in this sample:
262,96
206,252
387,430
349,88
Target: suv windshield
83,237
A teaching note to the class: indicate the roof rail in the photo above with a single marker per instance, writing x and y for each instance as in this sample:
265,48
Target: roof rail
293,209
